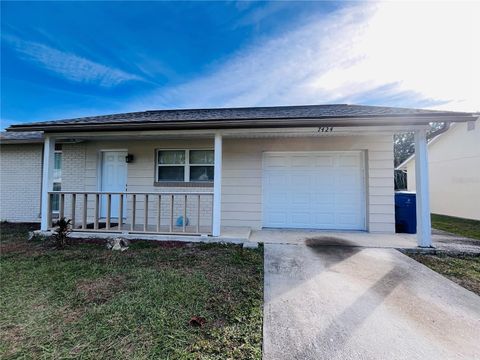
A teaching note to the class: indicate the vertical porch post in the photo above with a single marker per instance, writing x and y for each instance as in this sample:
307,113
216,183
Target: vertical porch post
424,229
217,186
47,179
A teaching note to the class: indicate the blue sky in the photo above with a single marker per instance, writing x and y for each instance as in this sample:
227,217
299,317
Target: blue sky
70,59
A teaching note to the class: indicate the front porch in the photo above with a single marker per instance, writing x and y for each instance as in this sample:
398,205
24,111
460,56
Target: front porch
233,198
160,213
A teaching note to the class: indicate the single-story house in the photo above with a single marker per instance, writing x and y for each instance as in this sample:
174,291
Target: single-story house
454,171
200,171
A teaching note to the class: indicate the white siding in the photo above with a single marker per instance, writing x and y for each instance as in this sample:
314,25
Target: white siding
242,176
242,173
20,182
141,176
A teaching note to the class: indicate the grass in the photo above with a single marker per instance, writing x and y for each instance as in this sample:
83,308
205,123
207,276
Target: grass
463,227
464,270
90,303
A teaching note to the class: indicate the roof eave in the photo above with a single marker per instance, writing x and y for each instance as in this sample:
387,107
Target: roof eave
22,141
250,123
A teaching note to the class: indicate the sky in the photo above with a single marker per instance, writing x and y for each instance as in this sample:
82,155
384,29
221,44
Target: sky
71,59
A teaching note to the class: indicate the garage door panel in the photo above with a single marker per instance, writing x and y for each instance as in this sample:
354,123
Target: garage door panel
348,161
347,220
276,217
275,201
301,220
300,180
324,182
301,161
323,198
349,181
302,199
324,218
323,190
276,179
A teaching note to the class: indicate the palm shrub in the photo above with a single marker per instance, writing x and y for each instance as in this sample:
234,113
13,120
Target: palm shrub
62,230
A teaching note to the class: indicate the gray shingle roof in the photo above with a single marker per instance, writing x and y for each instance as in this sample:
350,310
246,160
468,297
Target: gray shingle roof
218,115
21,137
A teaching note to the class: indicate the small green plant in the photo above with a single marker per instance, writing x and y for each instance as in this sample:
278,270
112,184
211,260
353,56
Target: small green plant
62,230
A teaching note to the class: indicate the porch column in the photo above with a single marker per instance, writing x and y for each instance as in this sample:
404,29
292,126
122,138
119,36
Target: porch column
47,178
217,186
424,228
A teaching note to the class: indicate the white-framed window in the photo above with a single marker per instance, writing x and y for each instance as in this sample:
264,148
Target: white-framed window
184,165
57,177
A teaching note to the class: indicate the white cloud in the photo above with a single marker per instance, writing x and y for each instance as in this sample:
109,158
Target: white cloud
396,53
69,66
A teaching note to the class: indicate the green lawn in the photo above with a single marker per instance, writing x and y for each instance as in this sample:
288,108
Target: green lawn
90,303
463,227
464,270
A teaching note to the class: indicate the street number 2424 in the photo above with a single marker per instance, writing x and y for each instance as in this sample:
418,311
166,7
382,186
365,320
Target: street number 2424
325,129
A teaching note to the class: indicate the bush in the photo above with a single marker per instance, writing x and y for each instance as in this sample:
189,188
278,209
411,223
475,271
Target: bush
61,232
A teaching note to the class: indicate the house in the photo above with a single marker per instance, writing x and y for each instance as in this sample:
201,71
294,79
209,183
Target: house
202,171
454,171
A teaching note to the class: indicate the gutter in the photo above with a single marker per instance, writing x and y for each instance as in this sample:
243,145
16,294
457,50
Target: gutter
241,123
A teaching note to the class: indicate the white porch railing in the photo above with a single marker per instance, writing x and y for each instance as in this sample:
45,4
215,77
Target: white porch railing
180,213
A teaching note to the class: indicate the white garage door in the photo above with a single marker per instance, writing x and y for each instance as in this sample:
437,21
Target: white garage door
316,190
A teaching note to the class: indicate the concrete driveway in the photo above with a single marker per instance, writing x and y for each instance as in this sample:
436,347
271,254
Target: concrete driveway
342,302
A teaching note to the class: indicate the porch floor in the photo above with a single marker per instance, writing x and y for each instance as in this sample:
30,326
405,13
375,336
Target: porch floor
237,235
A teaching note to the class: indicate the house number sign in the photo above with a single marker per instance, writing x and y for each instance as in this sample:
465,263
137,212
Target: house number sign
325,129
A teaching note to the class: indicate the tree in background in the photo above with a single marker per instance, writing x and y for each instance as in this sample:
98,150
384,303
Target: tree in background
404,147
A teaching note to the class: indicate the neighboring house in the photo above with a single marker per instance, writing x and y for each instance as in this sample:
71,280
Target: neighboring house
318,167
454,164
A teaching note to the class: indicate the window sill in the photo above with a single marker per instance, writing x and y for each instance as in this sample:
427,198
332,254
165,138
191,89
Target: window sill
187,184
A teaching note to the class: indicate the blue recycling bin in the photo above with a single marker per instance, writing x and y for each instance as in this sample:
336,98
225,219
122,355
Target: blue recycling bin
405,212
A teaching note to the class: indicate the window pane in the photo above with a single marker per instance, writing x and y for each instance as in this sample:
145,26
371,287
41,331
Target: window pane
57,167
201,156
171,173
57,164
171,157
56,197
201,173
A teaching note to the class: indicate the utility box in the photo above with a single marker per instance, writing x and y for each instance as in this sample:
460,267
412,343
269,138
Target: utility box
405,212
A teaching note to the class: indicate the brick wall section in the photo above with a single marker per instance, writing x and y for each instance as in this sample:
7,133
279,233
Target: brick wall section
20,182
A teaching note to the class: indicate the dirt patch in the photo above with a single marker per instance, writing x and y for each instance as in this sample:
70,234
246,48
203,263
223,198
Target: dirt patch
13,227
13,247
22,247
139,243
13,336
100,290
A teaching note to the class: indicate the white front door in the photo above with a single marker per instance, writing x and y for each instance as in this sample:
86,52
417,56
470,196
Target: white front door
113,179
316,190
